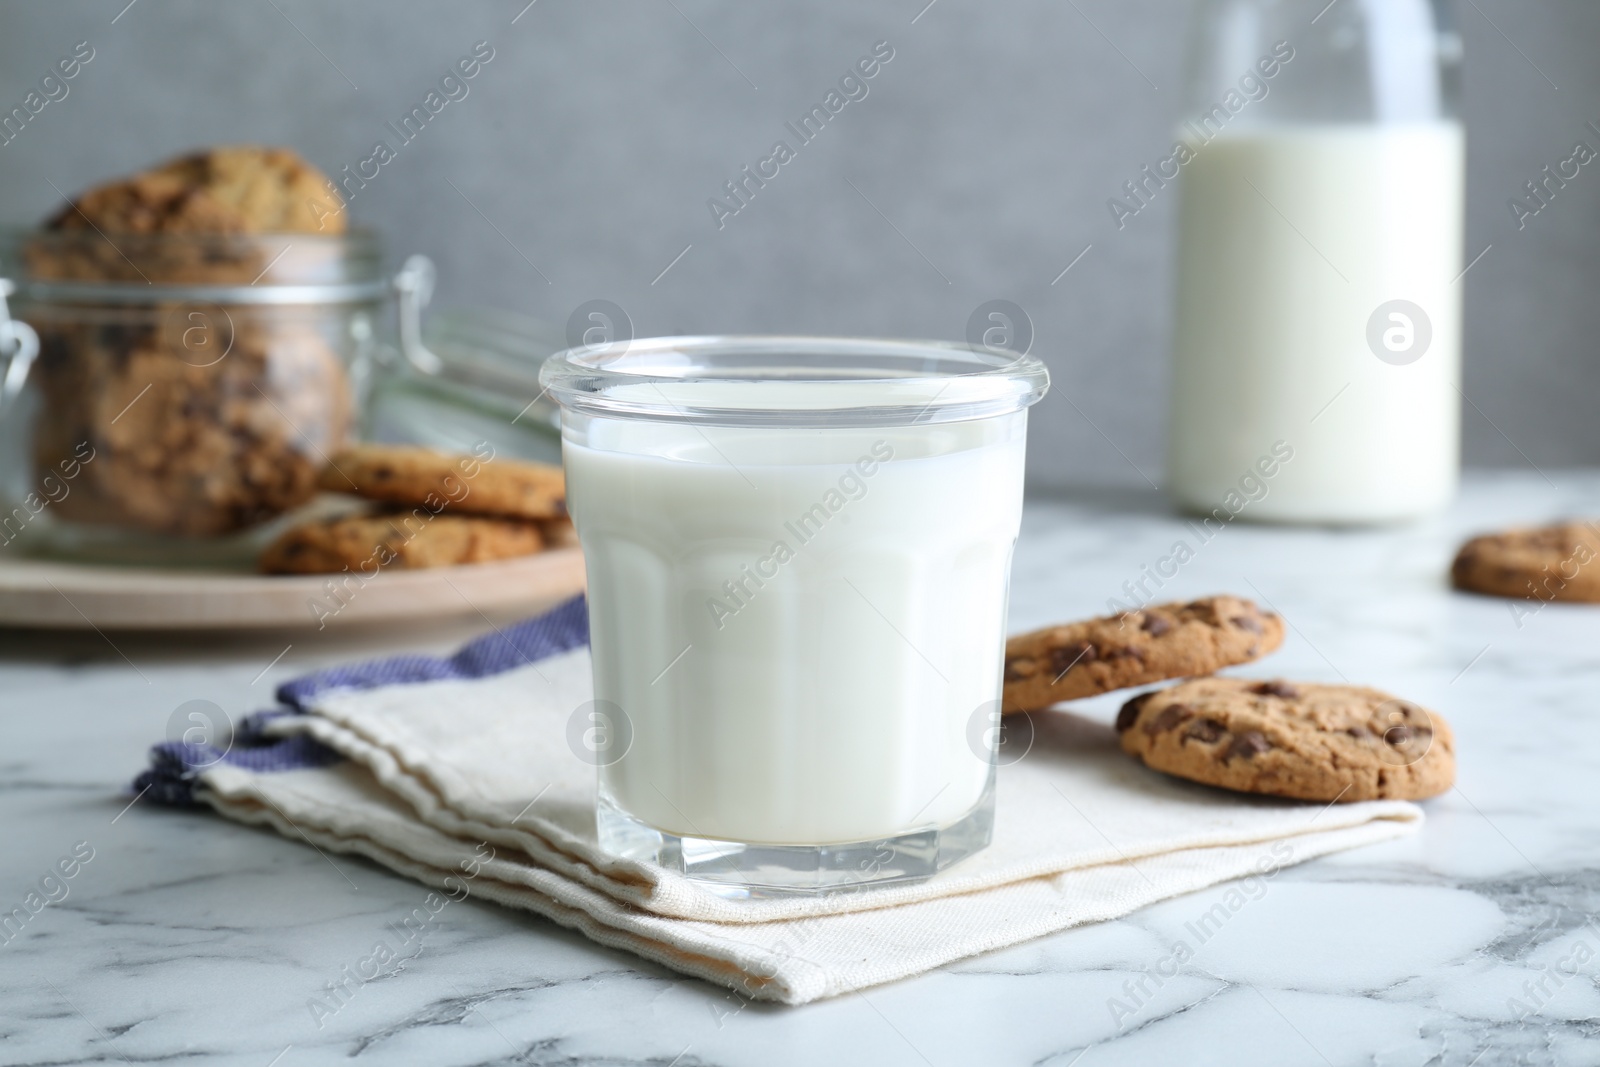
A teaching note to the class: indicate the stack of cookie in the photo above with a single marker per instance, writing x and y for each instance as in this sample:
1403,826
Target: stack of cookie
427,509
1301,740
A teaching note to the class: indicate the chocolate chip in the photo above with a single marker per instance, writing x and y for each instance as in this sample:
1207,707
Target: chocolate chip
1170,716
1155,625
1064,658
1109,654
1247,622
1278,688
1207,730
1360,733
1130,712
1248,745
1021,668
1398,736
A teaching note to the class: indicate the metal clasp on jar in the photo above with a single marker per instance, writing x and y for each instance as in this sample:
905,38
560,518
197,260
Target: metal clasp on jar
414,288
19,346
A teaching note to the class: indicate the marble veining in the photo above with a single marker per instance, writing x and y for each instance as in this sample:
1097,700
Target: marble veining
187,939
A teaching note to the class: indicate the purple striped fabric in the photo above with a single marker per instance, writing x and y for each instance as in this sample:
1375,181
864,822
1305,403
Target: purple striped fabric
558,630
175,765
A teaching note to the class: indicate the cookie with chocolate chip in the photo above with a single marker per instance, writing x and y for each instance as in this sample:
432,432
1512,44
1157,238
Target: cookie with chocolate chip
1557,562
1083,659
1291,739
401,540
465,484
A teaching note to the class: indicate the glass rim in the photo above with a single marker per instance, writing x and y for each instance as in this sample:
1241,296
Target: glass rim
906,381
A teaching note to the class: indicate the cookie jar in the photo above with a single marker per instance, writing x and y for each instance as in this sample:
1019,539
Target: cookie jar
166,395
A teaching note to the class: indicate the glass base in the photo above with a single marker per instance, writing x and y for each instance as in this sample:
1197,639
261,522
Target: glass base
739,869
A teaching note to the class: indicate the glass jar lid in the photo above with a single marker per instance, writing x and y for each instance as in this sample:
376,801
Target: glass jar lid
801,381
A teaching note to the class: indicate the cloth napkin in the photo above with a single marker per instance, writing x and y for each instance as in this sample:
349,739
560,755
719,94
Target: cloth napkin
456,772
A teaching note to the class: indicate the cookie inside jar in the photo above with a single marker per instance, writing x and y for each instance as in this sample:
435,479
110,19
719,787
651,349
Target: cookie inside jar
201,422
203,329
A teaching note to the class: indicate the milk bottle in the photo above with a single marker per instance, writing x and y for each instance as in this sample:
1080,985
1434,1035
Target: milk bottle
1319,261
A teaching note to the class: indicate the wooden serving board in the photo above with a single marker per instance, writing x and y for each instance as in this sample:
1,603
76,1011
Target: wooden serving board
75,596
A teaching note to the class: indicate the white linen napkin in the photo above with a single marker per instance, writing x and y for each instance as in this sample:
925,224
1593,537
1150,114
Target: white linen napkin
466,783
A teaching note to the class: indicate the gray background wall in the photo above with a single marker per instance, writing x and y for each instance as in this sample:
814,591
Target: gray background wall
989,145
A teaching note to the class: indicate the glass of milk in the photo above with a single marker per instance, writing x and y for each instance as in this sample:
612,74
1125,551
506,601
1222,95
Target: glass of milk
798,555
1317,340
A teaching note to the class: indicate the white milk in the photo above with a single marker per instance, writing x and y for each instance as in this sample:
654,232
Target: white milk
1276,284
829,685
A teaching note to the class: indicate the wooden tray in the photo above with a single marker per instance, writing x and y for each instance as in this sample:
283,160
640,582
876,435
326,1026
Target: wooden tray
72,596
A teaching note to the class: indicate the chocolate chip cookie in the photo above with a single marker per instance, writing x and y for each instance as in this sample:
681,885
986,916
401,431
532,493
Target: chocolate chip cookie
1558,562
465,484
1164,641
409,540
1291,739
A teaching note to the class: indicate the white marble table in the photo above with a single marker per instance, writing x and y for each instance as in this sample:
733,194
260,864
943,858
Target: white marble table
189,939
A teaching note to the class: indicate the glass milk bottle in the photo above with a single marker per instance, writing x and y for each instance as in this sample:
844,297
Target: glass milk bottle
1317,340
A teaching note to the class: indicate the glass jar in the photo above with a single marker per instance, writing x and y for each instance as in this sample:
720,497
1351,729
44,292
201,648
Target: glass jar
1317,341
798,554
186,390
